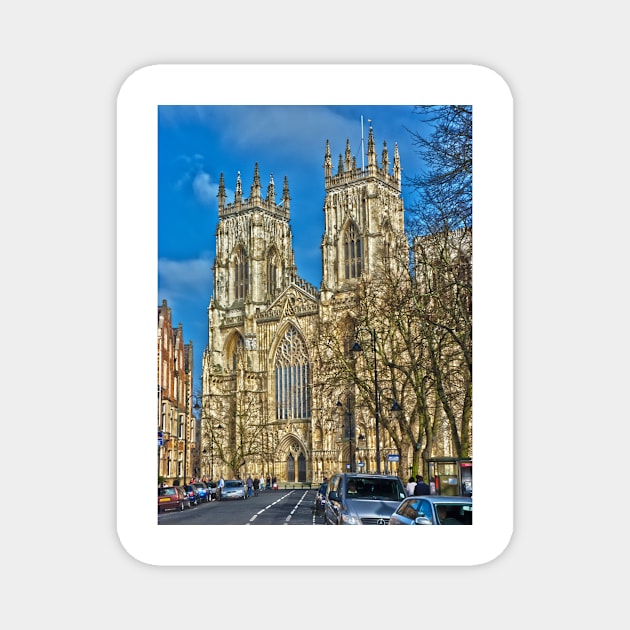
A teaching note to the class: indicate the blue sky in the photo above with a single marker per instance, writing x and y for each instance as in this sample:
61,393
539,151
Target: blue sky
198,143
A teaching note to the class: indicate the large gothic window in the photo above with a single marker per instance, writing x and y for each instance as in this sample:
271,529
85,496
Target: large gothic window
352,252
272,274
292,376
241,275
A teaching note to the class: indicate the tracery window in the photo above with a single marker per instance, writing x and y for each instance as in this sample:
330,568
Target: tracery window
292,377
237,351
241,275
272,275
352,252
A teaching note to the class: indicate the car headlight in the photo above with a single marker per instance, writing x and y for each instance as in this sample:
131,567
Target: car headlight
349,519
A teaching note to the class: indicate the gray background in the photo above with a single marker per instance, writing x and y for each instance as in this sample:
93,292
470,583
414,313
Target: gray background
62,66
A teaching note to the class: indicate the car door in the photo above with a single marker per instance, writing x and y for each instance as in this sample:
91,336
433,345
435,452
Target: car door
333,501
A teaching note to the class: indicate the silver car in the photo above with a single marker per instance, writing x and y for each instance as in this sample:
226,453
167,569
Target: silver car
357,499
433,510
233,489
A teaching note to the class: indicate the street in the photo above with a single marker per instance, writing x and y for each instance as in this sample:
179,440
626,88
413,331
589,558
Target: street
279,507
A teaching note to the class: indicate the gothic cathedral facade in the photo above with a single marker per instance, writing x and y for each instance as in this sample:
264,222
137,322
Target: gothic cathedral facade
262,411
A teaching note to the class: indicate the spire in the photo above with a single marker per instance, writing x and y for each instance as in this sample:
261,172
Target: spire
348,156
385,158
327,161
238,195
271,191
397,169
371,151
221,193
286,200
340,165
255,189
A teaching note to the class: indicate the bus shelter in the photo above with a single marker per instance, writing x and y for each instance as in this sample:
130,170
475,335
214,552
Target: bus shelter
452,476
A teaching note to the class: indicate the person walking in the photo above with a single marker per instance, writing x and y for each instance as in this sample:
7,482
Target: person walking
261,483
256,486
250,485
411,486
421,487
220,487
274,483
268,486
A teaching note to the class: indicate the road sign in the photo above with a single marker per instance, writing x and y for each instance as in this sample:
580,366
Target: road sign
361,464
393,458
160,439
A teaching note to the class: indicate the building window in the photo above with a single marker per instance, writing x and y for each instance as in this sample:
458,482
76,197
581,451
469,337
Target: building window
352,252
241,275
272,276
237,352
292,378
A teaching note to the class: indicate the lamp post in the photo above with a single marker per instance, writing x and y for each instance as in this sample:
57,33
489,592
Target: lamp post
395,406
351,434
357,348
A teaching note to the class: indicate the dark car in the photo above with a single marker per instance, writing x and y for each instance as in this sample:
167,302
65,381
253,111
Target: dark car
204,491
320,498
172,498
433,510
193,494
358,499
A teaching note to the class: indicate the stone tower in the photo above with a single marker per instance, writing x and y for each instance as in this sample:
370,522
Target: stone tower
364,216
262,411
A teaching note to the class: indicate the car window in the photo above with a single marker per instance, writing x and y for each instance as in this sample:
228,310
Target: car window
424,509
454,514
409,509
166,492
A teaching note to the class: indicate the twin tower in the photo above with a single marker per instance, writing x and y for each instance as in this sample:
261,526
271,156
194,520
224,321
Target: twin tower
260,365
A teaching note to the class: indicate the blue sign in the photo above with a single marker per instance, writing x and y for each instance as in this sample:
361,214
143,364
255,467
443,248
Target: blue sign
393,458
160,440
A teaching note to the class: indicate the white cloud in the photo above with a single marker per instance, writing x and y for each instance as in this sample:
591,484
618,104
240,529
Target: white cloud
204,188
185,280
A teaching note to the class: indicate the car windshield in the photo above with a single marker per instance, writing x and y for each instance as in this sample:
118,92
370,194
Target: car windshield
366,488
233,484
166,492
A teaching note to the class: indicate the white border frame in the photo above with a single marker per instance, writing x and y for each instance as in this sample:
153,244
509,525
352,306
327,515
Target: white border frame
137,109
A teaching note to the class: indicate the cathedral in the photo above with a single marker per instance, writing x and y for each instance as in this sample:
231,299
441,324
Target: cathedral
263,410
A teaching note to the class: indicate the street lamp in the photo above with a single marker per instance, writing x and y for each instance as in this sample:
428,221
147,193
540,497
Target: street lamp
351,433
357,348
395,406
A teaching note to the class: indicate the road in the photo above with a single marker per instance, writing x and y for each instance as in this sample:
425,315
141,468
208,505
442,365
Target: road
279,507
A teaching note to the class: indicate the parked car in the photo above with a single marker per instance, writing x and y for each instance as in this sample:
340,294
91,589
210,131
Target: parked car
233,489
357,499
433,510
193,493
204,491
172,498
320,498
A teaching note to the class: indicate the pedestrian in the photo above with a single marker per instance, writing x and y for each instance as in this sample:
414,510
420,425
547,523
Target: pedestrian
256,486
268,486
274,483
261,482
220,487
421,487
411,486
250,485
432,485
